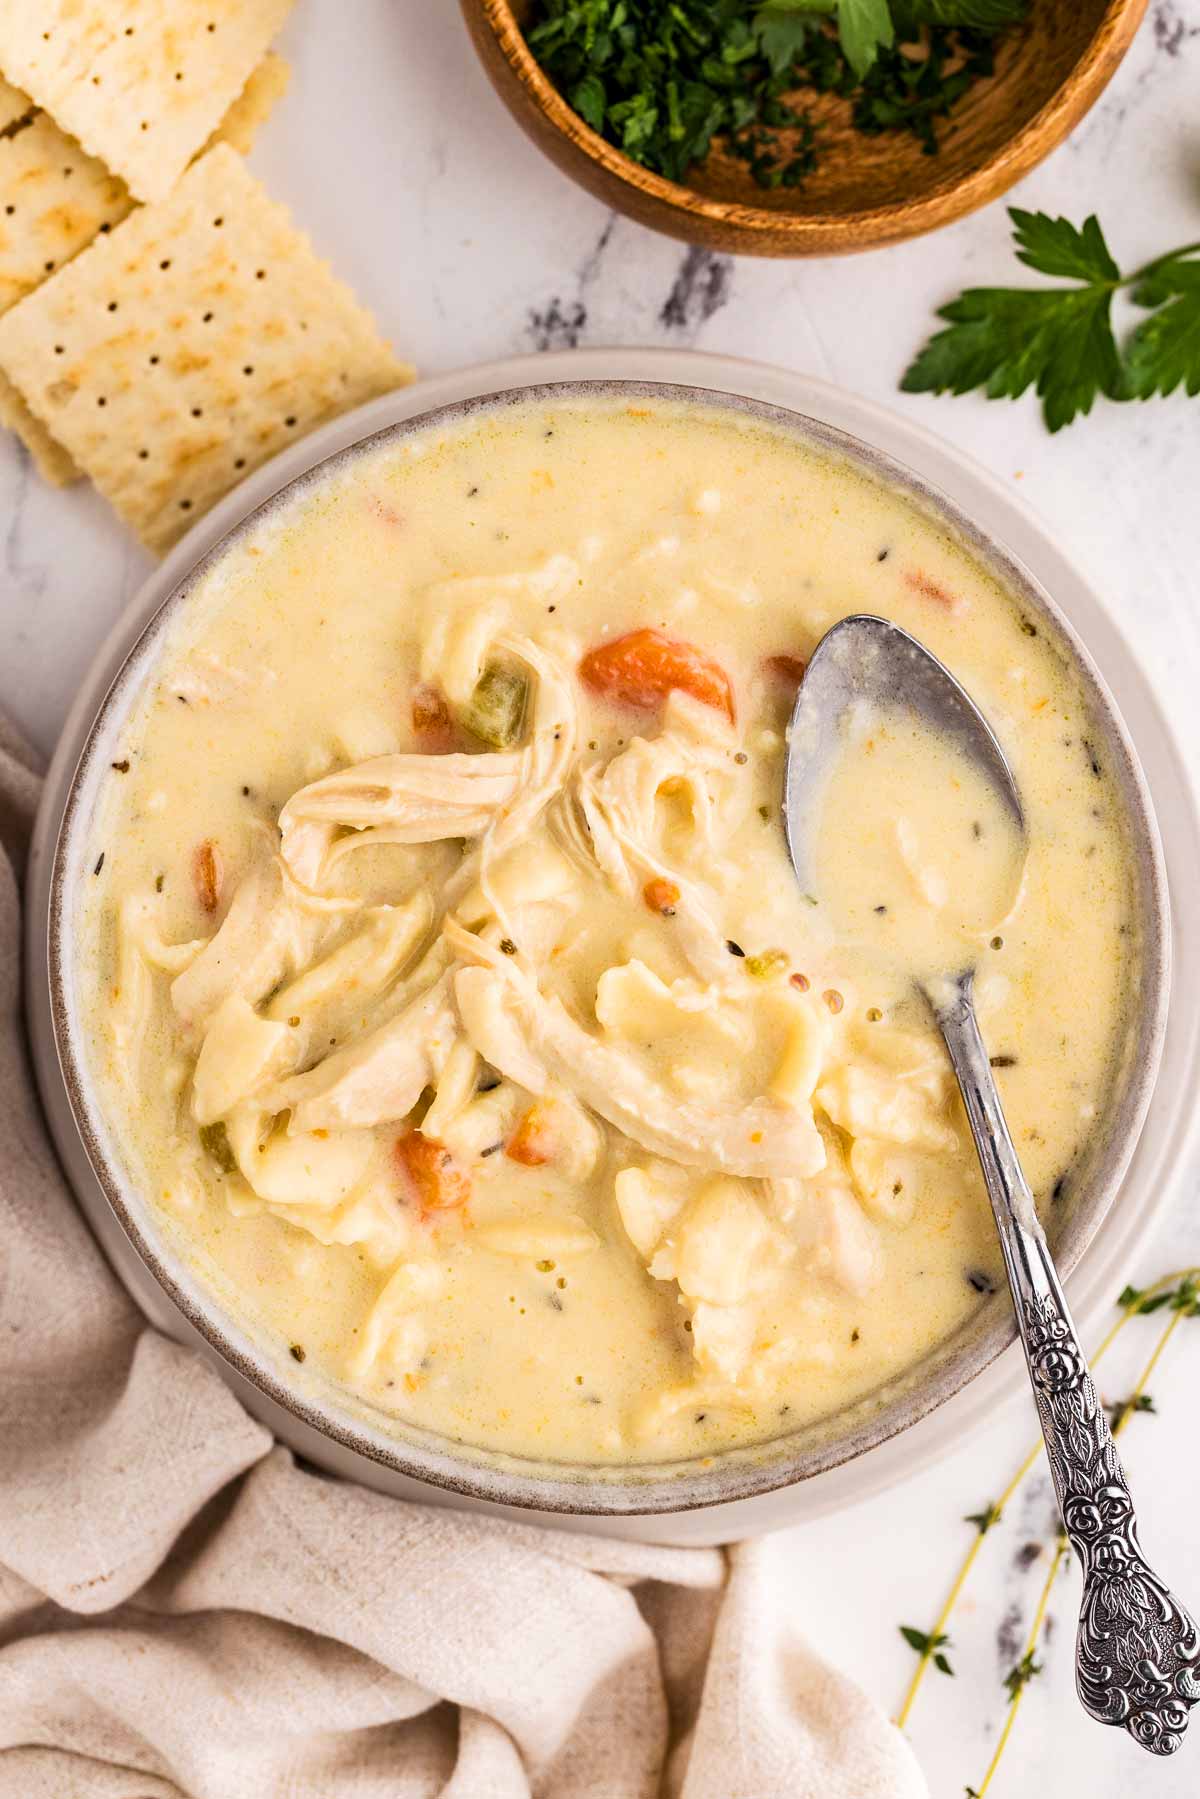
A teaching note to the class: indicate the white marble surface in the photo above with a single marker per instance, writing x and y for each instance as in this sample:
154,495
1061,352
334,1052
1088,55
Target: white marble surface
394,153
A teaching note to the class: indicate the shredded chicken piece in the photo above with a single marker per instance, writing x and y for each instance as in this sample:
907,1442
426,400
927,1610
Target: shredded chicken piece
455,1088
314,1168
759,1138
467,612
455,652
323,1000
487,1017
140,950
239,1052
368,1218
414,798
263,937
721,1241
393,1333
484,1123
532,874
395,799
140,919
627,790
132,993
608,819
377,1079
865,1102
825,1219
545,759
723,1339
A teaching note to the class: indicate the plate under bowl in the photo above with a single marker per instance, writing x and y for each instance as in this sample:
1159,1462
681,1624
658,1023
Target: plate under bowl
745,1490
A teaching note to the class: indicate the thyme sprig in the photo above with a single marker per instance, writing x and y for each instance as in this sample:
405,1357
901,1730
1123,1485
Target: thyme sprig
1178,1293
1119,1410
1021,1673
929,1646
991,1514
1019,1676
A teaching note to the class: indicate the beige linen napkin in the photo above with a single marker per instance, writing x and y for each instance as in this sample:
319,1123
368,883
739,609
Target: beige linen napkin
185,1611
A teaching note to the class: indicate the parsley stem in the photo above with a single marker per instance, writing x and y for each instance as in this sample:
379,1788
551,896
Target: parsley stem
1035,1631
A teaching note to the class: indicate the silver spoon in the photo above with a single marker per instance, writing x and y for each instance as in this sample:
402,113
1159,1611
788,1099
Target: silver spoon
1138,1650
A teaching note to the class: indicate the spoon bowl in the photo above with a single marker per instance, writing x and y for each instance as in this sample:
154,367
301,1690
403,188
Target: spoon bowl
868,662
1137,1658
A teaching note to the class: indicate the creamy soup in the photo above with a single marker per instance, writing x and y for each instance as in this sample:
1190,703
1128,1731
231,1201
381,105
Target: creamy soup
448,984
917,858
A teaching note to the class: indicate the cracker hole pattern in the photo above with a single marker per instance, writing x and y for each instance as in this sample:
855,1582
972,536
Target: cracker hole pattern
155,511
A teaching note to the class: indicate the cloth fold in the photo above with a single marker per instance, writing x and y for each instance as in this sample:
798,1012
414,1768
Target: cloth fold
186,1613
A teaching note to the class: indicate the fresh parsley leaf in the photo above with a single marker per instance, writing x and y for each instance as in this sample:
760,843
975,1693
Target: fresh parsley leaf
976,15
1178,273
1056,247
907,92
588,99
1057,340
783,32
637,120
864,28
1007,339
1130,1296
662,78
1060,340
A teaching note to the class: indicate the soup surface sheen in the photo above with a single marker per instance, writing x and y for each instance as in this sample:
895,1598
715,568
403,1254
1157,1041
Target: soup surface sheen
447,982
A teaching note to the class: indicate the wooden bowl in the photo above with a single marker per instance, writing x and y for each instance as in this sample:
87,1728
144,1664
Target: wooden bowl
866,191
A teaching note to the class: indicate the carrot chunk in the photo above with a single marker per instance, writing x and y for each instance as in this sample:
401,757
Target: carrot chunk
530,1144
790,670
438,1184
929,589
431,720
643,667
661,897
208,874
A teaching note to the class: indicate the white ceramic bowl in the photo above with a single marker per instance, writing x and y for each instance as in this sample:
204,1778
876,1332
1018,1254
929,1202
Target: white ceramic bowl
699,1508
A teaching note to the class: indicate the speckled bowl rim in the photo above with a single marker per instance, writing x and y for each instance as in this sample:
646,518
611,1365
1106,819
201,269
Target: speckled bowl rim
648,1489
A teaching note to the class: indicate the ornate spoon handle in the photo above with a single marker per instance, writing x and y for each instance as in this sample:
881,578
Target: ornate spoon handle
1138,1650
